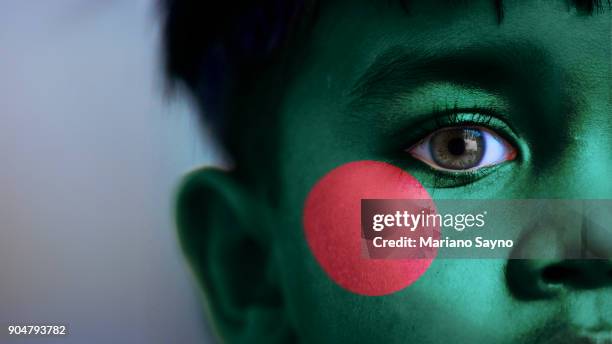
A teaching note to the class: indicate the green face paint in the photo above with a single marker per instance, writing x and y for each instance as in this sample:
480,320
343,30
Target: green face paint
371,81
540,80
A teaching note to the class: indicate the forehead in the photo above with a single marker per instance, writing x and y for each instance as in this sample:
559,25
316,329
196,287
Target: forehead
360,31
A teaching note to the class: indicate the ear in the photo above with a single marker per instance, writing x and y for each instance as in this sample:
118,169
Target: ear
221,229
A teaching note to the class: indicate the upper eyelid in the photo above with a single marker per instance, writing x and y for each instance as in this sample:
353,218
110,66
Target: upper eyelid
415,109
440,120
477,114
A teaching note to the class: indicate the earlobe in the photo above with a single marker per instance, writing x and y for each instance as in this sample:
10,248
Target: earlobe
229,253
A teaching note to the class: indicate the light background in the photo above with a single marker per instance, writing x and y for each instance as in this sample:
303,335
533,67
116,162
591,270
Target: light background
90,154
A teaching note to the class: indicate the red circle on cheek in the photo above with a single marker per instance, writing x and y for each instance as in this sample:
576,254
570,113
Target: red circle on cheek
332,224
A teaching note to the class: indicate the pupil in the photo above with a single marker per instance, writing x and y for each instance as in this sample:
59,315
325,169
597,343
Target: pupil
456,146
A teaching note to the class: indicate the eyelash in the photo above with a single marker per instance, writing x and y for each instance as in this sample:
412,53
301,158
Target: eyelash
454,117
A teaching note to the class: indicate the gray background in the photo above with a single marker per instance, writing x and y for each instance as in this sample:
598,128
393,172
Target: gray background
91,153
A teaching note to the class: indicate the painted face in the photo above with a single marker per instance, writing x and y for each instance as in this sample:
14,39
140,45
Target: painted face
474,108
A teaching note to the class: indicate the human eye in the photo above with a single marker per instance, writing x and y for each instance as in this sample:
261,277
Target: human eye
463,148
464,144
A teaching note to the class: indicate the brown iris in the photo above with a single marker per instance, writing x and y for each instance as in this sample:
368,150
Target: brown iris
457,148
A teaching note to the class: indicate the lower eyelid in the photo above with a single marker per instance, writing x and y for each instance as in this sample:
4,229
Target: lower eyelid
452,179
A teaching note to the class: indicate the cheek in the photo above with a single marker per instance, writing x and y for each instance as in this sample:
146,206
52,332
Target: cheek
332,224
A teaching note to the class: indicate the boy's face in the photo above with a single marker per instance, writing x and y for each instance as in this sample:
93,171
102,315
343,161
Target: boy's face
370,81
545,70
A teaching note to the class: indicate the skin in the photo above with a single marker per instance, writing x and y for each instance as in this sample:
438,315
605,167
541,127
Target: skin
544,74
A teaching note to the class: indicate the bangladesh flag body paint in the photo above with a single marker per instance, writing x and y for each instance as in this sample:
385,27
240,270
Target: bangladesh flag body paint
335,232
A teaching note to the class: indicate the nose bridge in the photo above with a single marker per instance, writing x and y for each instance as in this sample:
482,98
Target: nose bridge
591,151
567,229
582,169
590,128
576,160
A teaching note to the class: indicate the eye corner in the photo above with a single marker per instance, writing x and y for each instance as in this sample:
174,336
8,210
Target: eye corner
417,144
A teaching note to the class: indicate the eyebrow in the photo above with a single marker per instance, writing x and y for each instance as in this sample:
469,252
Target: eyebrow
588,7
492,67
591,6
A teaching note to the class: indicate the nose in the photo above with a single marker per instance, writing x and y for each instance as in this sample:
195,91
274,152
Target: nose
571,247
542,279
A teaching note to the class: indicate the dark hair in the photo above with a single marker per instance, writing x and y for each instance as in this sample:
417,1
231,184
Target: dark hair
212,46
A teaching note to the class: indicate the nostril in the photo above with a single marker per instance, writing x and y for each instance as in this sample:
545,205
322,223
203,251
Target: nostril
536,280
557,274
